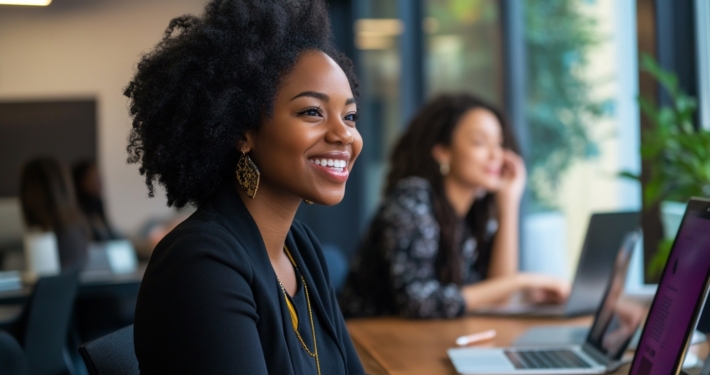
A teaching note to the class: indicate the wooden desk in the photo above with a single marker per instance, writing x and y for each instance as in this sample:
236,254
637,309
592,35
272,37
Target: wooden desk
398,346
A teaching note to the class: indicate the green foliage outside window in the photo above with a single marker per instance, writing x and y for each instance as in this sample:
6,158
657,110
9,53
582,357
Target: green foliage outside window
676,152
559,106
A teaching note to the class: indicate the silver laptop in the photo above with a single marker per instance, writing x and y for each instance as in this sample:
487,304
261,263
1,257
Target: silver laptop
604,234
680,297
615,323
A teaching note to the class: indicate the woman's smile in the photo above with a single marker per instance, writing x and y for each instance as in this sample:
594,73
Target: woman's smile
332,165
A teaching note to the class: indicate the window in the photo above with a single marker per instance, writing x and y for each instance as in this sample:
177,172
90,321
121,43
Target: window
463,53
581,114
377,37
583,123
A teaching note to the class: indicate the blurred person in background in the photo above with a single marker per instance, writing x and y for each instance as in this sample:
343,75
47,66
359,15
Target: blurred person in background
445,239
49,204
98,315
87,181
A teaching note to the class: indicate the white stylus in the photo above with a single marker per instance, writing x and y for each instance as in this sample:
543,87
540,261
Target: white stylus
476,337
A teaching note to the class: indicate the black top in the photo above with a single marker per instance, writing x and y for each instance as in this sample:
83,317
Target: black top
395,270
73,246
210,302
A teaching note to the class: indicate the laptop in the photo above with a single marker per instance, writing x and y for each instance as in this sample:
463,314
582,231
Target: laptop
604,234
680,298
614,325
673,315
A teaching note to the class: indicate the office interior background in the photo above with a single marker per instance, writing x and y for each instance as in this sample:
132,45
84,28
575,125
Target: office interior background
565,71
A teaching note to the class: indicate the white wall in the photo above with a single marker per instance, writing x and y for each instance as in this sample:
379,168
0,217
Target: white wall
89,48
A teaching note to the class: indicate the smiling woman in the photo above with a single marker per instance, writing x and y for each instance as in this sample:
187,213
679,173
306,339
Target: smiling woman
245,112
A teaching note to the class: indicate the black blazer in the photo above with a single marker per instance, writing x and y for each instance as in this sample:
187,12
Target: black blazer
210,303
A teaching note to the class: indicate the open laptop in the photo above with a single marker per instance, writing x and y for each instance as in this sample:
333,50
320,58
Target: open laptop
673,315
614,325
601,244
681,294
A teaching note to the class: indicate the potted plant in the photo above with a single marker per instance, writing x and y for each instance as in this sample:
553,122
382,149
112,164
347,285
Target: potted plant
678,155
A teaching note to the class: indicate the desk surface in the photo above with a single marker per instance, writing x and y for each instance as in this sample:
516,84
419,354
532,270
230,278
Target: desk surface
101,283
399,346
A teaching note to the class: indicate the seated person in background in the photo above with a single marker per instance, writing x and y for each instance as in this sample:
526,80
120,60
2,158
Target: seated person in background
445,240
98,315
48,204
87,182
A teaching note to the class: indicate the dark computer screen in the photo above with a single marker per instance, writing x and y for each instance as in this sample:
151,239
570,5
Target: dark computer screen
62,129
617,318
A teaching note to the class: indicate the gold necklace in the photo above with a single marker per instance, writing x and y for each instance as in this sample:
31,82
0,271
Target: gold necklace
313,353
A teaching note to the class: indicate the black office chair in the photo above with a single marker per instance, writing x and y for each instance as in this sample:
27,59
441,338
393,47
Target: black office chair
46,322
12,358
112,354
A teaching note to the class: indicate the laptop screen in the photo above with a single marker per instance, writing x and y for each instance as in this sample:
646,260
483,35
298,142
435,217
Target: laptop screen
679,298
617,317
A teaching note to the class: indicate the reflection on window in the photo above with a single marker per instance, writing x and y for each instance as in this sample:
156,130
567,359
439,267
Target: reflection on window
377,36
463,42
582,122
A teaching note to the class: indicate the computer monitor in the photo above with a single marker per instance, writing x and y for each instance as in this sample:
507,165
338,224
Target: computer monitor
679,300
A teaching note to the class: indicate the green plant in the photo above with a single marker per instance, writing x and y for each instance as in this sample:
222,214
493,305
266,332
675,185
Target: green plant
677,152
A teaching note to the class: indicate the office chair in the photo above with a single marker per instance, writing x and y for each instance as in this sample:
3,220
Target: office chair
112,354
12,358
45,325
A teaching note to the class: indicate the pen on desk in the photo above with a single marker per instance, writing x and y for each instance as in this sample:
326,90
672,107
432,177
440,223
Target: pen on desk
476,337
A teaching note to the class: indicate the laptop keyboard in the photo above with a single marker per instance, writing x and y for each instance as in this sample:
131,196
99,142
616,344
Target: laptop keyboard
545,359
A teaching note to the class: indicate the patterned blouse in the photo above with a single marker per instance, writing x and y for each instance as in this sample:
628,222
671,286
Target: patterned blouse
395,270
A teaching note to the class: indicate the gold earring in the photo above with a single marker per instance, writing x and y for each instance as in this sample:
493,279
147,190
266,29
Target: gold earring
444,169
307,201
248,175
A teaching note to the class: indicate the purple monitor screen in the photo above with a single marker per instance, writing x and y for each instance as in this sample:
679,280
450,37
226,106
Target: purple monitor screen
678,299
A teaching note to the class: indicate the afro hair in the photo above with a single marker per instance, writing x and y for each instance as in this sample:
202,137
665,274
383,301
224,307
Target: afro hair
211,79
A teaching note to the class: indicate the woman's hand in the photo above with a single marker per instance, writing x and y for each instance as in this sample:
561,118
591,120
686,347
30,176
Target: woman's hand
539,288
513,177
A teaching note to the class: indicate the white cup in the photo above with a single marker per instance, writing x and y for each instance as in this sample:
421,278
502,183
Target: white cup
41,253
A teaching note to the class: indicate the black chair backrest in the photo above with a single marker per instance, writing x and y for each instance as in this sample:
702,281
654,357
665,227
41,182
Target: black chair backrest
112,354
47,325
12,358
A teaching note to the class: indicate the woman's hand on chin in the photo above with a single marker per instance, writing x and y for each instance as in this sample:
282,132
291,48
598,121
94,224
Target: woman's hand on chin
512,184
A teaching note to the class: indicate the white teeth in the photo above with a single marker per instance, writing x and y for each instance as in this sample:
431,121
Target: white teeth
336,164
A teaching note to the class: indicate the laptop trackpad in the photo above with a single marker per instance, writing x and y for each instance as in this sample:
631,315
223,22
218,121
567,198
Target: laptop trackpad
471,360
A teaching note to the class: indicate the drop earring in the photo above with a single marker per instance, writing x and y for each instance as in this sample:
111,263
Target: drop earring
444,169
247,175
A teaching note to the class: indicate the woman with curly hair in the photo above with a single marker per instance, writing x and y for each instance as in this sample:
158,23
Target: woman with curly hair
245,112
445,242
